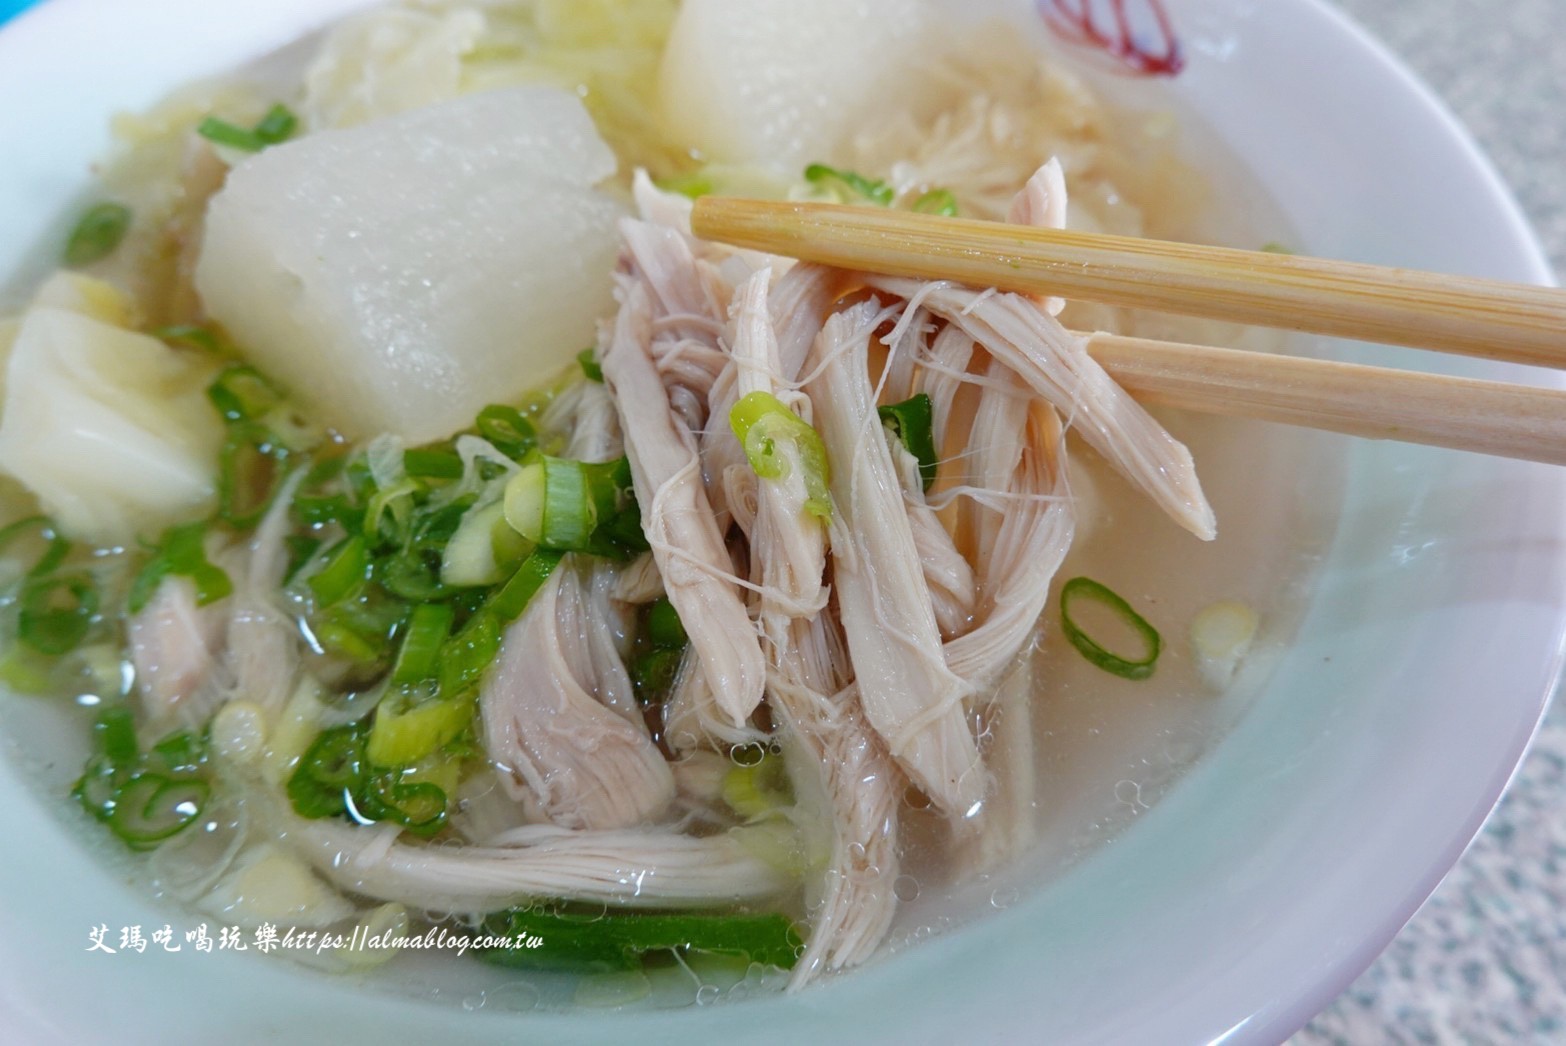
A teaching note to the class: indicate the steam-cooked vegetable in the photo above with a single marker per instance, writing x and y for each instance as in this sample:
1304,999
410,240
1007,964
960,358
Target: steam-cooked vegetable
109,428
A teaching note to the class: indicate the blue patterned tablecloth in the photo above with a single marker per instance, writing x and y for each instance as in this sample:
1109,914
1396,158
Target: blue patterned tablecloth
1485,960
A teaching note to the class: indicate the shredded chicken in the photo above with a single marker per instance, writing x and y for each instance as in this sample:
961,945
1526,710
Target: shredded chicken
548,733
175,647
678,519
911,698
645,868
1055,364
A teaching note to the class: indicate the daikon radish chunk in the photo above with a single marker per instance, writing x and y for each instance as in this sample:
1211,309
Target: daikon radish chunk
109,428
400,275
784,81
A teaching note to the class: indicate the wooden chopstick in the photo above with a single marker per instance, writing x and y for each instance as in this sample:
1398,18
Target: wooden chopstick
1474,317
1487,417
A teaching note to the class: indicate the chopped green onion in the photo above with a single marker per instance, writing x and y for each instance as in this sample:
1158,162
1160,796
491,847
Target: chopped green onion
419,806
653,674
761,421
405,732
664,629
183,553
142,798
913,422
181,753
432,463
345,572
466,655
937,201
251,467
242,393
151,807
114,736
334,778
484,550
412,575
362,628
1274,247
427,630
1081,588
275,127
319,511
327,772
97,233
512,599
57,613
301,549
40,529
574,506
507,430
589,364
594,941
841,182
568,518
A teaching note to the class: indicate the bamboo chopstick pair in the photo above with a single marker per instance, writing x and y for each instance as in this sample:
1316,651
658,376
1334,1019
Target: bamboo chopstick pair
1486,318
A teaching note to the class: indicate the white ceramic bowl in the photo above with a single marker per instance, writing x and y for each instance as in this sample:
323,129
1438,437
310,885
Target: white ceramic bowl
1245,900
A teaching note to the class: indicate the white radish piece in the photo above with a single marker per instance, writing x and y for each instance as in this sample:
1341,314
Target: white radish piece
399,275
784,81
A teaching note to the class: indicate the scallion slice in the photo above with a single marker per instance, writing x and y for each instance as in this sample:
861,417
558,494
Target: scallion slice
466,655
574,506
97,233
913,422
251,467
183,553
419,658
618,941
850,184
588,361
346,569
663,628
31,532
937,201
242,393
57,613
275,127
151,807
507,604
1082,588
507,430
432,463
761,421
406,730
